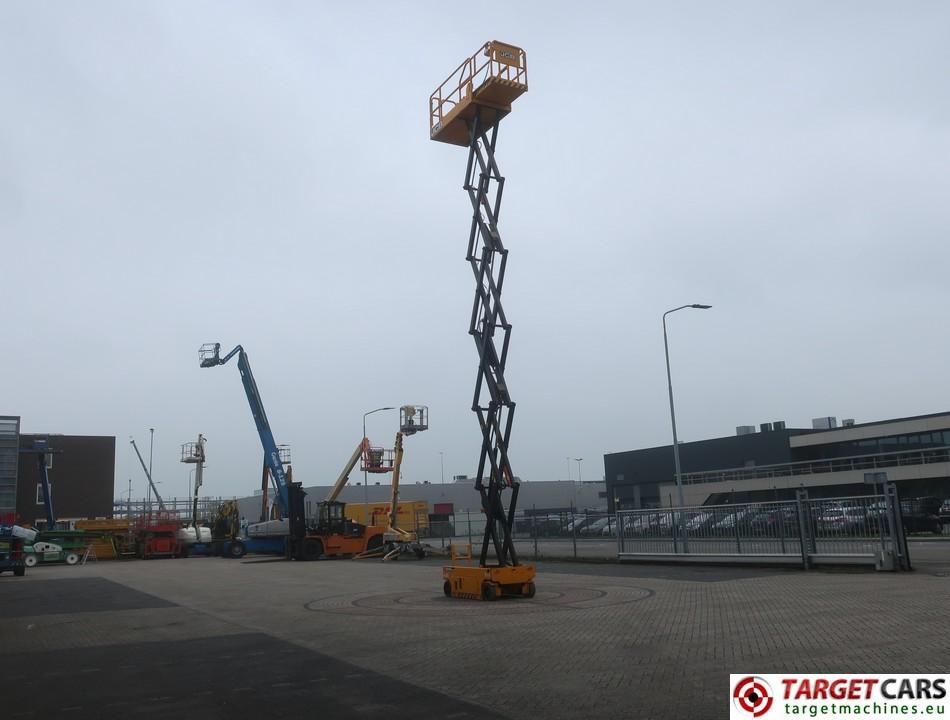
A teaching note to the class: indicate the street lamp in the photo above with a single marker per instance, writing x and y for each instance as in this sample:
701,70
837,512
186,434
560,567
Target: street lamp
442,469
669,380
365,492
578,461
151,445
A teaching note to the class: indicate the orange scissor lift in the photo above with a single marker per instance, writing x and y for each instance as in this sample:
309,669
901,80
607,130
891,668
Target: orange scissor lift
465,110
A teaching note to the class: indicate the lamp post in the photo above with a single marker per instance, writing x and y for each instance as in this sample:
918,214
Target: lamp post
365,492
442,469
578,461
151,445
669,381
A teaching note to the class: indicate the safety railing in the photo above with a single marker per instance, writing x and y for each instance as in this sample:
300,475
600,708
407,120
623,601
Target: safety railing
830,465
492,60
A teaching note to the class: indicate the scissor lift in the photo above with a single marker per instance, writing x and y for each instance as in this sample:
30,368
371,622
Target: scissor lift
465,110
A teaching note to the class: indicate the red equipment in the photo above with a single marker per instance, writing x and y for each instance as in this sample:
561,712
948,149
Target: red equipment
156,535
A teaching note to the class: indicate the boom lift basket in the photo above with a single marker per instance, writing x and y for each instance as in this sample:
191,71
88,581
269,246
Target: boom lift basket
377,460
413,419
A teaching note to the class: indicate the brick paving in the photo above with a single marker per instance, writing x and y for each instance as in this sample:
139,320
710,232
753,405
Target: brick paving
629,641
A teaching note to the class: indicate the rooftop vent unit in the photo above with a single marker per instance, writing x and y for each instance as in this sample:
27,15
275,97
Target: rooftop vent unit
824,423
778,425
745,429
847,422
765,427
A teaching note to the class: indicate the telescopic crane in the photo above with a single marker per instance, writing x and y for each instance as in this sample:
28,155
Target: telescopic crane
42,450
270,535
148,475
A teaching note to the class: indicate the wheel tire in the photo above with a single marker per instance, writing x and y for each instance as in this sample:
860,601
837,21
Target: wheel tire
236,550
30,560
529,593
489,592
447,588
374,543
420,553
72,558
19,571
312,549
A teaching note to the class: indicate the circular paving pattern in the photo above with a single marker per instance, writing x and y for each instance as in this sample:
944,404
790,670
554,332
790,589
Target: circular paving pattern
425,602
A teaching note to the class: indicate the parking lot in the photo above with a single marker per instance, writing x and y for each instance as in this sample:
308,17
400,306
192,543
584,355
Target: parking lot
270,638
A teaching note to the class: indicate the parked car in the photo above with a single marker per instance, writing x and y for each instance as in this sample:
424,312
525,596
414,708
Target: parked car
774,523
728,524
944,513
831,519
596,526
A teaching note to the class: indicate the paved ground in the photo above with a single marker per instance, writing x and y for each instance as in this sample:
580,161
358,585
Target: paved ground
209,638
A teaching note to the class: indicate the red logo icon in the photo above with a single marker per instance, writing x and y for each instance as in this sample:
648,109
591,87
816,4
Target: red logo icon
752,695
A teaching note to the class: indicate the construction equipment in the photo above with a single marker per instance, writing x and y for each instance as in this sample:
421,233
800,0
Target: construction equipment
399,541
195,540
333,534
266,536
466,110
148,475
12,539
42,451
156,535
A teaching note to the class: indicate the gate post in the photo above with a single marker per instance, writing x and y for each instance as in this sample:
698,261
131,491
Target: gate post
896,522
673,524
620,532
801,497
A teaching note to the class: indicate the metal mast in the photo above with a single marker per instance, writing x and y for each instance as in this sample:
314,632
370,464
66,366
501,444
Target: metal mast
490,329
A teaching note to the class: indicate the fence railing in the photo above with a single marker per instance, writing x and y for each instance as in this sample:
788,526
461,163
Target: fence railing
865,529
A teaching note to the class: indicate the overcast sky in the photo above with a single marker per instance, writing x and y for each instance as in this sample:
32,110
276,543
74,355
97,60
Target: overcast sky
173,173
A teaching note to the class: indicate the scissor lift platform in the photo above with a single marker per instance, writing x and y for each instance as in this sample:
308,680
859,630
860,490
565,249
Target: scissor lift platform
485,84
486,582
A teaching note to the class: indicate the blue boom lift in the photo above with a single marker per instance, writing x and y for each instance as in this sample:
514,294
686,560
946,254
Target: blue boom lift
264,537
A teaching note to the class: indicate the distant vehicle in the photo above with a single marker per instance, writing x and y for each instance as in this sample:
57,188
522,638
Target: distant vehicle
11,552
944,513
920,515
727,525
47,552
596,526
778,522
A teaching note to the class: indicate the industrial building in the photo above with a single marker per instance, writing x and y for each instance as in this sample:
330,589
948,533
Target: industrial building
456,497
771,462
81,470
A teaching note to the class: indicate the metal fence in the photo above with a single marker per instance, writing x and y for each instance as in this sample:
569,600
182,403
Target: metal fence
861,530
540,534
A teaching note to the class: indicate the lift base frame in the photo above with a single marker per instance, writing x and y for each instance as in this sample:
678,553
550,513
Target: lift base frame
489,582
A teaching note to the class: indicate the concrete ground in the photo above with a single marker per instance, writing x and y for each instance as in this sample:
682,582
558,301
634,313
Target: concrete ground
265,638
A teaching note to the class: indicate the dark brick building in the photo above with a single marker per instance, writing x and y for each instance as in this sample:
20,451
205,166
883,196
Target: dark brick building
81,471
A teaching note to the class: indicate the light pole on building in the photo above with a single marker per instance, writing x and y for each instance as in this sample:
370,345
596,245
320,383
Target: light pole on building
669,381
365,491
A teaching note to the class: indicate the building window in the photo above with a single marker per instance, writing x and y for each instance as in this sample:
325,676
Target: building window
39,493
